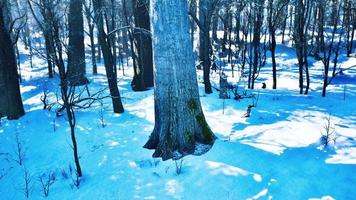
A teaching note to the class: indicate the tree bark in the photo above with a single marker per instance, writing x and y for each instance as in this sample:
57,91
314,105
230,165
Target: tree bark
76,50
180,126
257,26
300,43
272,31
91,26
10,96
205,16
108,59
137,83
143,40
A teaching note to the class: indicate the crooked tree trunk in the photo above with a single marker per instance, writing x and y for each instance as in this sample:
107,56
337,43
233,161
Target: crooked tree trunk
76,54
10,96
66,93
108,59
180,125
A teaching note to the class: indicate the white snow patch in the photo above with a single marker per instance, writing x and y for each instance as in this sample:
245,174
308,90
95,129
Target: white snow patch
323,198
260,194
173,188
343,156
257,177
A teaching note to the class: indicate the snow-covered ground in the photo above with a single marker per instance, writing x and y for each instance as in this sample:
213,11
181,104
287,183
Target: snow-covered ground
274,154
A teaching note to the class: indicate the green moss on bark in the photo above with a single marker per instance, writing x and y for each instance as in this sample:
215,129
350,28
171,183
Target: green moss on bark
189,137
208,135
192,105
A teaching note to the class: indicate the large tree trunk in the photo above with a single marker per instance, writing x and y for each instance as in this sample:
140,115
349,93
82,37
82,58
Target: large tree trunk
180,126
10,96
143,40
76,53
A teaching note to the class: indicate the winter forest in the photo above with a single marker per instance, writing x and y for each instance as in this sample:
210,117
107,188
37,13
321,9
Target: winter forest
177,99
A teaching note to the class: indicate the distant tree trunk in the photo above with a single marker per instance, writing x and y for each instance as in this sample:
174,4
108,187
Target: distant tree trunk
137,83
205,15
291,10
347,24
143,40
91,26
112,37
10,96
45,27
244,50
214,28
351,25
226,24
257,26
108,58
125,45
230,45
284,25
223,83
92,49
180,125
192,9
329,51
334,5
272,31
315,15
98,58
49,53
299,38
76,49
352,37
206,63
320,22
237,29
307,18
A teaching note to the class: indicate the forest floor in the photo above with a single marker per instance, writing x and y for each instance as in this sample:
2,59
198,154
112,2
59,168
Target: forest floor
274,154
